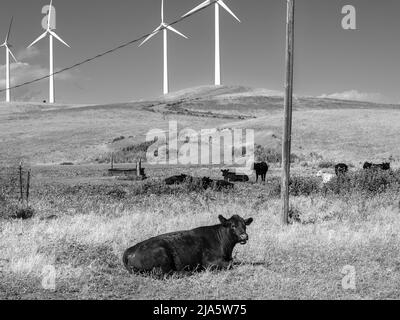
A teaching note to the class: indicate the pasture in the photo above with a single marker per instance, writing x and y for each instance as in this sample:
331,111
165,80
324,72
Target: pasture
84,219
98,217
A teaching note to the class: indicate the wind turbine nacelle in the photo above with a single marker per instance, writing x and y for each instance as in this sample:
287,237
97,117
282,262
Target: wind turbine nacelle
46,11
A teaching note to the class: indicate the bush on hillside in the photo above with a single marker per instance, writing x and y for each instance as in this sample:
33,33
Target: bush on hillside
270,155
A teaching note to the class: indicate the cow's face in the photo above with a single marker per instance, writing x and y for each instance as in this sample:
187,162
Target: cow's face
237,227
386,166
225,172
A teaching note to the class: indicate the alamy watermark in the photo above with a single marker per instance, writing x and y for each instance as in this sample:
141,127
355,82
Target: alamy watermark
204,147
49,278
349,279
46,11
349,21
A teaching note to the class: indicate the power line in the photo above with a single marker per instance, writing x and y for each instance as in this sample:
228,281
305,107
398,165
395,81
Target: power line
126,44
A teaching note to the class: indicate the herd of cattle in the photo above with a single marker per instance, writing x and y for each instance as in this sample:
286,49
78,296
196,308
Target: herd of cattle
261,170
204,247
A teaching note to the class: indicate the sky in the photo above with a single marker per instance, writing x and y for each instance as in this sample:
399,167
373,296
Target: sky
357,64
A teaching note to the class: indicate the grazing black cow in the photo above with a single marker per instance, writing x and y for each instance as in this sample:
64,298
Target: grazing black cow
261,169
382,166
176,179
231,176
205,247
341,168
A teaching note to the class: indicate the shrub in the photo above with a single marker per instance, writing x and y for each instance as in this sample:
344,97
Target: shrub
274,187
118,139
367,182
24,213
270,155
128,154
298,186
303,186
7,208
314,156
370,182
117,193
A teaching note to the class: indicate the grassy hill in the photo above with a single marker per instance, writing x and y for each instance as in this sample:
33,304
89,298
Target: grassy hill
337,130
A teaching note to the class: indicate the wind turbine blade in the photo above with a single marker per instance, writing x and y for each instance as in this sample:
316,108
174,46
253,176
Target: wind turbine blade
12,55
9,30
38,39
200,6
223,5
162,11
176,31
58,38
157,30
49,17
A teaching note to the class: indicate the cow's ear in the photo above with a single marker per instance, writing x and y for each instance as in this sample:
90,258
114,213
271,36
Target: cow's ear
223,221
248,221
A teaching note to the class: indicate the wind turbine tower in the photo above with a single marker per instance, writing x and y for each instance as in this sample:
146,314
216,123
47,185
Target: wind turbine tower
7,45
49,31
164,27
217,5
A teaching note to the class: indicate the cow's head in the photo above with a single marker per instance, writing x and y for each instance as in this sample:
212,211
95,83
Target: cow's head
237,227
386,166
225,172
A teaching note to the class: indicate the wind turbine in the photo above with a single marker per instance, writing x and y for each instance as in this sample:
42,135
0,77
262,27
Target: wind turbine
49,31
217,4
7,45
164,27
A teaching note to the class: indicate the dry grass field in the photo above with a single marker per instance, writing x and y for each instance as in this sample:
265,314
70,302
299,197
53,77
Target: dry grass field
85,219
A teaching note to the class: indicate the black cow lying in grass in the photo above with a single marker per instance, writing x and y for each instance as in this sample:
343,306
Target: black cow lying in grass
205,182
261,169
177,179
197,249
341,168
231,176
222,184
383,166
218,185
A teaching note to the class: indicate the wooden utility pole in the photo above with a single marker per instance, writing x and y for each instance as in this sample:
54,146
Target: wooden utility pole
287,126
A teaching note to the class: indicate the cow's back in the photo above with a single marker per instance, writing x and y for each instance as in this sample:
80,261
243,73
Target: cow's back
171,252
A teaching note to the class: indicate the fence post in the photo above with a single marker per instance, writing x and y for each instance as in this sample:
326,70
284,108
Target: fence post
21,192
28,182
139,168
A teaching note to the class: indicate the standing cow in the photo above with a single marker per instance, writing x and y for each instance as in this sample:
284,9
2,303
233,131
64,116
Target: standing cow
261,169
205,247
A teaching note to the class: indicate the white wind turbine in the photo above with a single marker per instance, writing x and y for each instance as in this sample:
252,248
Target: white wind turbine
49,31
7,45
217,4
165,27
